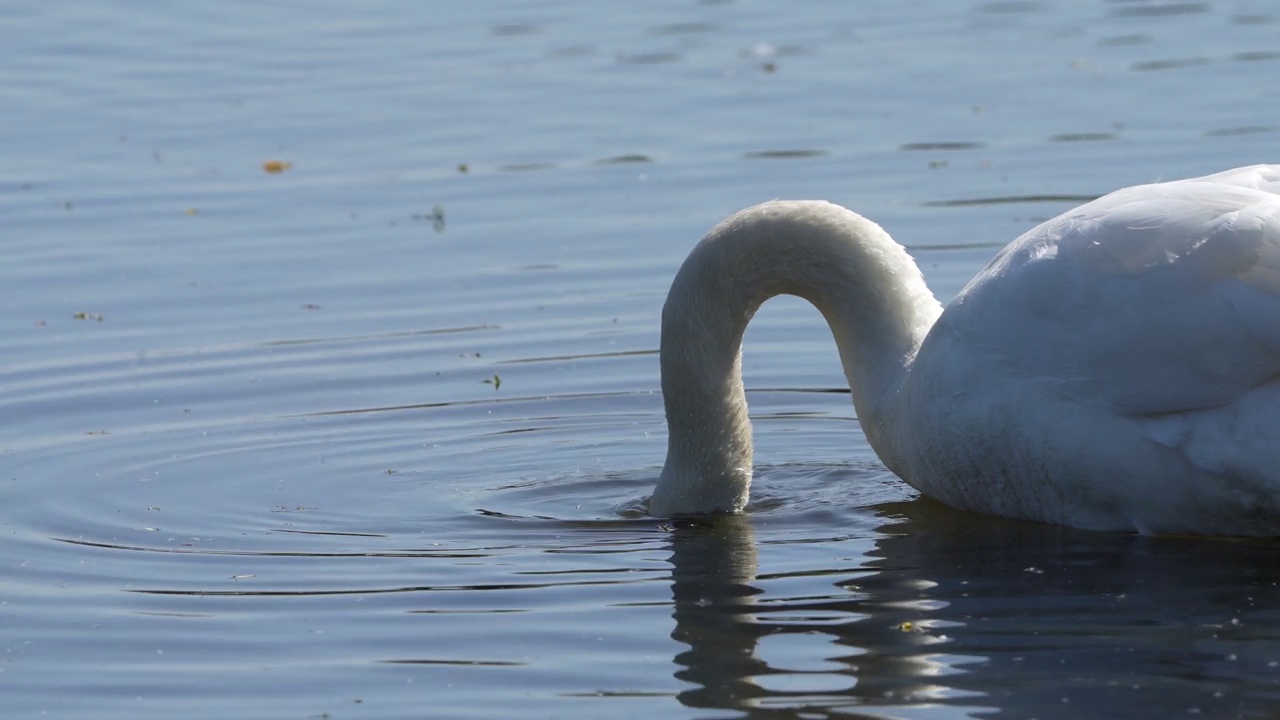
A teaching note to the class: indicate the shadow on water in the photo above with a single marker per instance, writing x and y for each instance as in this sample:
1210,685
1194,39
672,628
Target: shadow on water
986,617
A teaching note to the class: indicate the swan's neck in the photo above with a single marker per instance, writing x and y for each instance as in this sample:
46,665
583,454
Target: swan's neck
866,286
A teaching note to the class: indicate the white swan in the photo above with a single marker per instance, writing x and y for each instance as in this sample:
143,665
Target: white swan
1117,367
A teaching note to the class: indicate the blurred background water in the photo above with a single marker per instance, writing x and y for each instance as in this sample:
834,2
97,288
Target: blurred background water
329,381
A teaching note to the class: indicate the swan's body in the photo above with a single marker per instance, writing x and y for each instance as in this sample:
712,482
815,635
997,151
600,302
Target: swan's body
1117,367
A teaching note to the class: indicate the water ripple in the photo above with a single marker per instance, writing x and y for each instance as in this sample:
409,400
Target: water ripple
943,146
1011,200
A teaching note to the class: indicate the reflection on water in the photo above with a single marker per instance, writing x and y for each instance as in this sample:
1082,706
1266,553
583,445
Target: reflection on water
956,611
714,564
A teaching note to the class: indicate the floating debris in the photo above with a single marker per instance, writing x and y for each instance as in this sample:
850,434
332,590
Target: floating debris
277,166
495,381
436,216
87,316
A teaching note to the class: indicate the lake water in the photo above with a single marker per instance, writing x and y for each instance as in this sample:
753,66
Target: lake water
367,436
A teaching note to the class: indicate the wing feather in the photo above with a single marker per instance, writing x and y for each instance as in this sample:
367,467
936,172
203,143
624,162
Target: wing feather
1153,299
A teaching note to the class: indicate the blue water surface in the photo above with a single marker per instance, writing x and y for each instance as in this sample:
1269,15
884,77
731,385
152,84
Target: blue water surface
330,389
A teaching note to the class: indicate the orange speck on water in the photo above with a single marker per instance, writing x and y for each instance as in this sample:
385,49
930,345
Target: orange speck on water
276,166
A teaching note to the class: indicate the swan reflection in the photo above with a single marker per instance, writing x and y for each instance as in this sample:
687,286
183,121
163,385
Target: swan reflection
941,614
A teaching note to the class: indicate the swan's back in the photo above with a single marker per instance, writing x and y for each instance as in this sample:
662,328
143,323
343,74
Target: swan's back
1128,351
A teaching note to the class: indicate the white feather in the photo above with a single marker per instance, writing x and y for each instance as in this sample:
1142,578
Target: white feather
1117,367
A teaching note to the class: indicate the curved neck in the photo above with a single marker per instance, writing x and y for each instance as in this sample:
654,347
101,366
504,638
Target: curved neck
865,285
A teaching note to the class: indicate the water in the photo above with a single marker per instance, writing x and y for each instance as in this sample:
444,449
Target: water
367,437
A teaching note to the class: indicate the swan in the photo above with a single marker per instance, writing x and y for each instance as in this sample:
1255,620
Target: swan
1114,368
